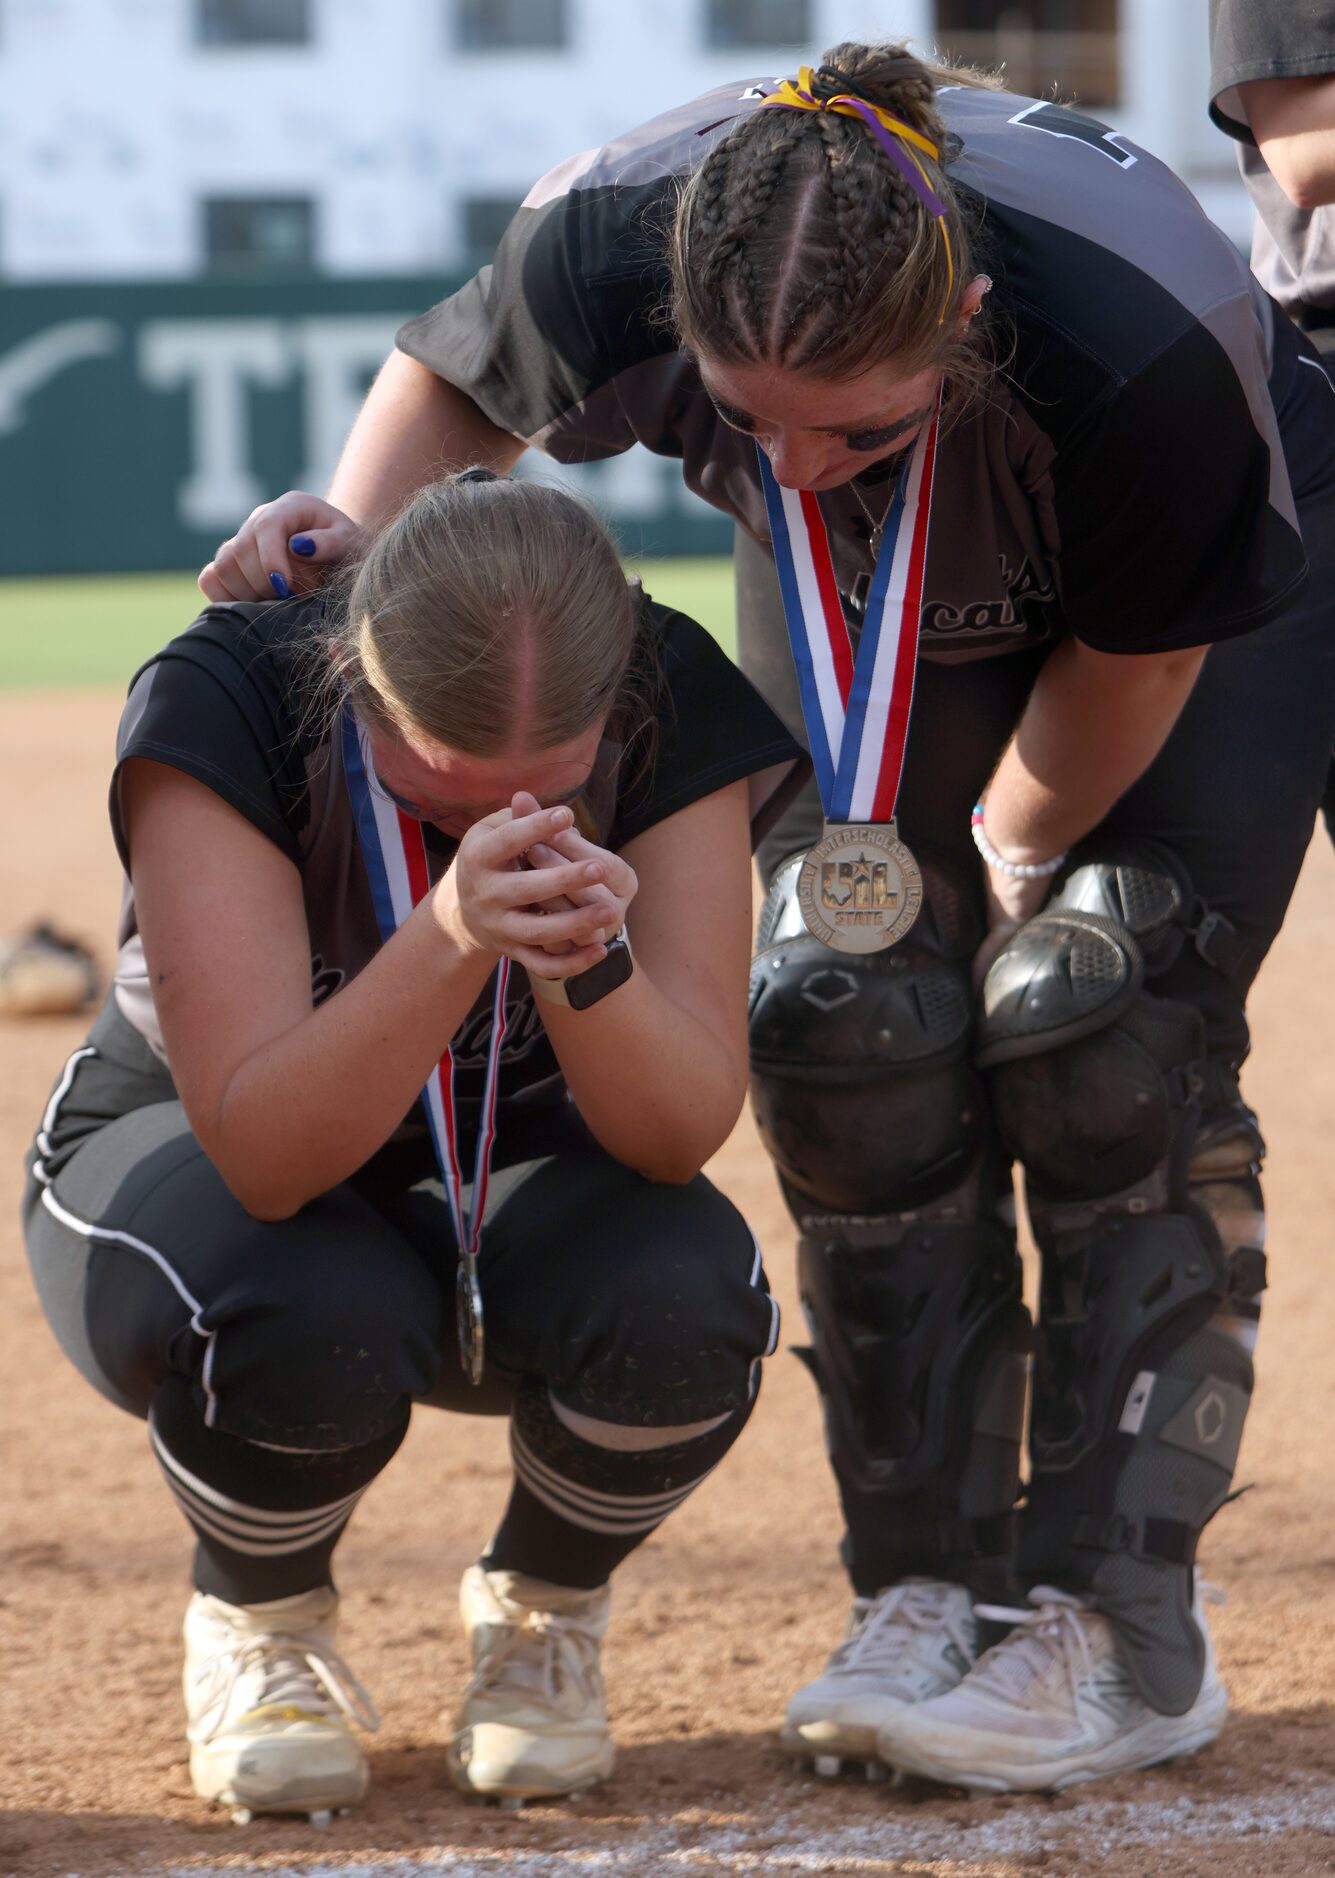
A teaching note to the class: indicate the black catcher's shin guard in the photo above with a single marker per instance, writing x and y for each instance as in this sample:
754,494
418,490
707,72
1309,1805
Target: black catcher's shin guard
920,1346
878,1126
1141,1176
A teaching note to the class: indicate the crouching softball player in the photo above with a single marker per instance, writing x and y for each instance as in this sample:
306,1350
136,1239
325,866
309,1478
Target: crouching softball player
358,836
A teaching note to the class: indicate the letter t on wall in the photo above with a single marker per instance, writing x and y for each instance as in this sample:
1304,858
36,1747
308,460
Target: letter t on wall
218,360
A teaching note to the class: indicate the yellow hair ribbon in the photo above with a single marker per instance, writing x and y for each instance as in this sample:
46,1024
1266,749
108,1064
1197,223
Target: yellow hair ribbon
800,96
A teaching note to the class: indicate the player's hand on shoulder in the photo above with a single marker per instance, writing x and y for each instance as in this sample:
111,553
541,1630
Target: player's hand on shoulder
283,547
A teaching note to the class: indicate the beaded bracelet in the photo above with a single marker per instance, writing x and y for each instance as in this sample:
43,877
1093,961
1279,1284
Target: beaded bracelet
1015,870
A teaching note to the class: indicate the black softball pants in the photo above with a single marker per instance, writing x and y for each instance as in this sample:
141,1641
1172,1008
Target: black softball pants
277,1362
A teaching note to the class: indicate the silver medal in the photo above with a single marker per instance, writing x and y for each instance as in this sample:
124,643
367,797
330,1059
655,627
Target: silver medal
859,888
468,1318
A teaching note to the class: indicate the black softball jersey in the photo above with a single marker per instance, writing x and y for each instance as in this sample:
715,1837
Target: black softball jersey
1123,480
233,702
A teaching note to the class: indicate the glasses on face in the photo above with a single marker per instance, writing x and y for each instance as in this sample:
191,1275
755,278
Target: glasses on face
415,810
863,442
440,812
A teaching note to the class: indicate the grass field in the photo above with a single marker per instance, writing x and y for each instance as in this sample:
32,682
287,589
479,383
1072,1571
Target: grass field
95,629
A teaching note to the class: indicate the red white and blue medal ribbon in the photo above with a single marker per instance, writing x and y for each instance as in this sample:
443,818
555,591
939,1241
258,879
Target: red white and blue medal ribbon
859,889
394,852
856,707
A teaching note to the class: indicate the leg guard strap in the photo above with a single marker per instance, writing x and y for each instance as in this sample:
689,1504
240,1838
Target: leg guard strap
1159,1541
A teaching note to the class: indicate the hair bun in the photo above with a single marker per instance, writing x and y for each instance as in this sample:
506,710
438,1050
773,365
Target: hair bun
829,82
887,76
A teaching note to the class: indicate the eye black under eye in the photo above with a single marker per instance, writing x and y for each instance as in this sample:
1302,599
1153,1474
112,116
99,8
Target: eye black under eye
872,439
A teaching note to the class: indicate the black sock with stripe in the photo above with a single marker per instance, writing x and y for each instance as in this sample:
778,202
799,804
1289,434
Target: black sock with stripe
266,1520
579,1505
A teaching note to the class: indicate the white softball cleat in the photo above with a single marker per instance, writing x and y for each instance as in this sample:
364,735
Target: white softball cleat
269,1702
533,1724
909,1643
1049,1705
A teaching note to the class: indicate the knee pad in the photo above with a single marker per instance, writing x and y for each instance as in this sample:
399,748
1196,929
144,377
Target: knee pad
1102,1090
1137,1152
1091,1076
861,1082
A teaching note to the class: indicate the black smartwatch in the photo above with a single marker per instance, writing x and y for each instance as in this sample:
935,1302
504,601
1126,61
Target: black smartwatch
587,987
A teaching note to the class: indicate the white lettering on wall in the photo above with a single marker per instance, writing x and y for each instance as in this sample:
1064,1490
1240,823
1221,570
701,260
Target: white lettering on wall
338,355
30,364
219,361
638,487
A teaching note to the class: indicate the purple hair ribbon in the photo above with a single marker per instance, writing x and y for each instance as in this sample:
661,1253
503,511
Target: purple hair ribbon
903,160
897,139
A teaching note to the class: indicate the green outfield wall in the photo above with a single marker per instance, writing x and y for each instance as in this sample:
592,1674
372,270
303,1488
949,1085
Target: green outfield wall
140,422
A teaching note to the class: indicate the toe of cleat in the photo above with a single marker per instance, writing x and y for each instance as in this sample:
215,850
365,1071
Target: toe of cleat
322,1816
834,1766
517,1802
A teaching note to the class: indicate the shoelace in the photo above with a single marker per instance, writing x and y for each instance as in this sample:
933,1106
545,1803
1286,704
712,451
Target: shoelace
1049,1629
293,1673
513,1662
892,1621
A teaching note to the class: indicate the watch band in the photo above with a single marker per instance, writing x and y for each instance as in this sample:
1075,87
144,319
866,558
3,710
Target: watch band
591,986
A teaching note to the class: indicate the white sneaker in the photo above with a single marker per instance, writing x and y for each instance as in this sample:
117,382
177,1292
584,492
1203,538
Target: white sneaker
533,1724
269,1700
907,1644
1050,1705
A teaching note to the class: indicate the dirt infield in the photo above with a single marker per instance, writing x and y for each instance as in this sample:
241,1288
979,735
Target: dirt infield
715,1620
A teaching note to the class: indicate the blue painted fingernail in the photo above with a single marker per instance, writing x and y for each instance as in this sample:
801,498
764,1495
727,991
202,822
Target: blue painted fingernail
280,586
302,544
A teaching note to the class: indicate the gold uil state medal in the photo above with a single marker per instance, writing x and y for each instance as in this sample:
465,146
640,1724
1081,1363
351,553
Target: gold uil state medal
859,888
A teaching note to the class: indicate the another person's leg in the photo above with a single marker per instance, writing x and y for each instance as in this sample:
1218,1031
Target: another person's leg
1323,342
635,1317
1115,1028
880,1130
275,1365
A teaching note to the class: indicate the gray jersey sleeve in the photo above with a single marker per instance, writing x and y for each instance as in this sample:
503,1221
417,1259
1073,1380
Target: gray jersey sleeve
1293,249
1136,494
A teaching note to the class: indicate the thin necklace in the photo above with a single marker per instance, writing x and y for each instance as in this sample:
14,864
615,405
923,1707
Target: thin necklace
877,528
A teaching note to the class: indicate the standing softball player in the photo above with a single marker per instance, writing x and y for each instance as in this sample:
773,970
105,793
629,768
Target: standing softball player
1034,494
359,836
1272,89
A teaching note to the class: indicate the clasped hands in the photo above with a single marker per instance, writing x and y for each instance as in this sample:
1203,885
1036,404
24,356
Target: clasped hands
528,886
